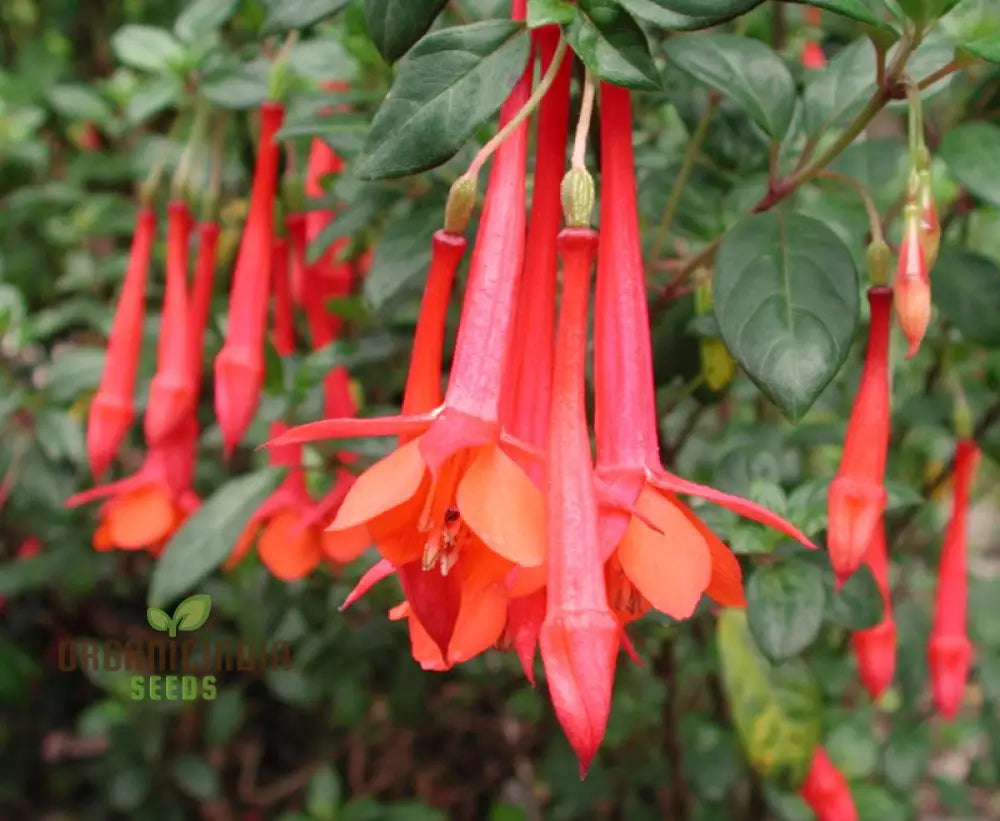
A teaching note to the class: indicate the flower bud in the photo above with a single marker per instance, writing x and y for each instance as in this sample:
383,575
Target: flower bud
578,197
826,790
461,204
930,226
912,287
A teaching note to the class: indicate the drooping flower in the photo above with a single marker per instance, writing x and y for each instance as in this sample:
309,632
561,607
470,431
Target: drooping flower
826,790
239,367
875,647
856,497
912,285
113,408
171,393
950,651
660,553
579,636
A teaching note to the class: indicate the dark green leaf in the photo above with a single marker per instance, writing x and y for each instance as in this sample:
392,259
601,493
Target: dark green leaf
841,90
687,15
786,297
777,708
612,45
785,604
238,87
152,96
207,538
858,9
446,86
79,102
858,604
905,758
966,288
283,15
195,777
201,17
970,151
193,612
129,789
403,254
975,26
395,25
742,69
147,47
224,717
550,12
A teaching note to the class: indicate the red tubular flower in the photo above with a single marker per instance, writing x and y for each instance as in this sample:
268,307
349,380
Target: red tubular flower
201,295
813,56
826,790
239,367
113,408
579,637
171,393
284,321
950,651
660,552
875,648
450,509
856,498
912,285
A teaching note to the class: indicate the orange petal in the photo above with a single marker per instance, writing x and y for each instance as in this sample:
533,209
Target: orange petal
345,546
141,518
424,648
526,580
726,586
385,485
400,611
502,506
671,568
481,620
288,554
102,540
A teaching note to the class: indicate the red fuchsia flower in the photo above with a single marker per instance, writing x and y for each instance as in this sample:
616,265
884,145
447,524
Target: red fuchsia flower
113,409
812,56
875,648
284,320
449,509
826,790
660,553
201,295
29,548
950,651
579,637
239,367
912,285
171,393
856,498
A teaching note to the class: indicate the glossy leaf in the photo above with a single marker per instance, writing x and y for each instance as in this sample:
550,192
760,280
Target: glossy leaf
283,15
207,538
777,708
147,47
975,26
445,88
550,12
202,17
687,15
612,45
858,603
785,604
841,90
786,298
395,25
857,9
970,151
742,69
966,288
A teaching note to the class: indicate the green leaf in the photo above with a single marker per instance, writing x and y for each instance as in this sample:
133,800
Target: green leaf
195,777
395,25
550,12
324,794
858,9
147,47
966,288
129,788
975,26
152,96
970,152
79,102
841,90
858,604
402,255
202,17
193,612
777,708
207,538
687,15
157,619
745,70
446,86
238,87
612,45
785,604
786,297
283,15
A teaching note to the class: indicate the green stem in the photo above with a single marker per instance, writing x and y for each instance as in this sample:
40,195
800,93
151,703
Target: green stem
195,138
683,175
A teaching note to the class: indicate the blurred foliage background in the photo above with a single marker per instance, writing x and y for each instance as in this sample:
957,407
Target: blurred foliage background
356,730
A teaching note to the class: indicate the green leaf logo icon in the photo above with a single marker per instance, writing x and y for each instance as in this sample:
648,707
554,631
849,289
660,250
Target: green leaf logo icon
190,614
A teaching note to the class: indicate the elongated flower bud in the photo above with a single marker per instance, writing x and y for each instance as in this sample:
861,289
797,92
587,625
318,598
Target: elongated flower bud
856,497
171,393
826,790
912,285
113,409
579,637
284,321
201,295
930,226
875,648
950,652
239,368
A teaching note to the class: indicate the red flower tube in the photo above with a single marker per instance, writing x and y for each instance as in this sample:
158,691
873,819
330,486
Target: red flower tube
113,409
856,497
171,394
201,295
826,790
239,367
875,648
950,651
284,321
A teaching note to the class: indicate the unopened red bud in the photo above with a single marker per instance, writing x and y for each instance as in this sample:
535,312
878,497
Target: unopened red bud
930,226
912,286
826,790
813,56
